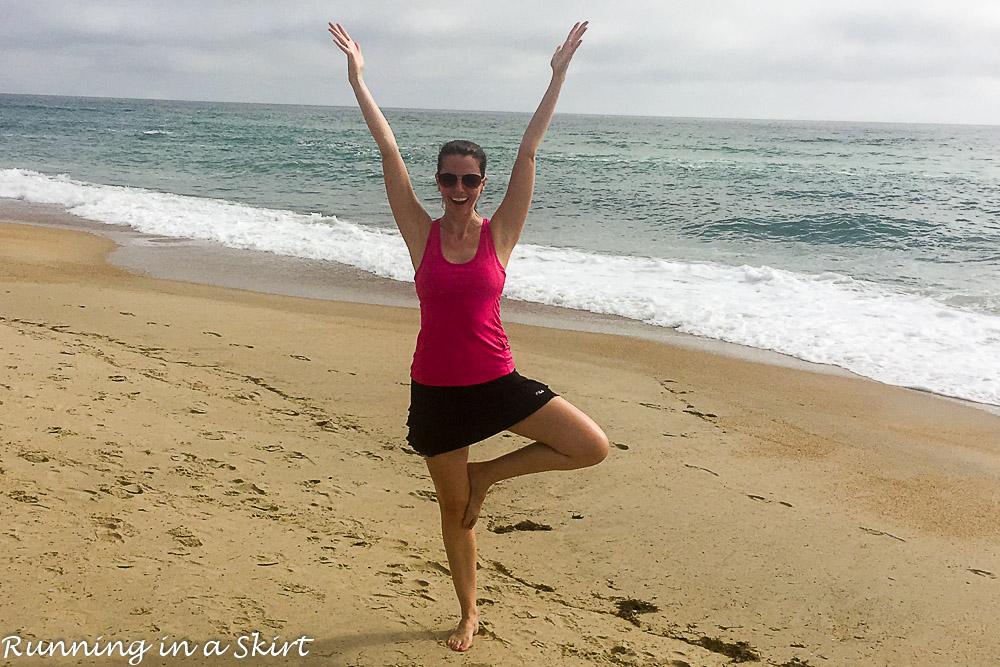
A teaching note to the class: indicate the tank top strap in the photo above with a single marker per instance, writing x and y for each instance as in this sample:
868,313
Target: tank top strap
434,238
432,249
491,250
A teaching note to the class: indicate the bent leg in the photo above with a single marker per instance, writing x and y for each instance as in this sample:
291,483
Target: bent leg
565,439
451,482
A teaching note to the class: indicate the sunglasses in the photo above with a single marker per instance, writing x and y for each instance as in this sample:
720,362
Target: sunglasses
470,181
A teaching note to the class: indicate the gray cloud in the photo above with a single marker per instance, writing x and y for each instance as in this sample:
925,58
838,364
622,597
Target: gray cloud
891,60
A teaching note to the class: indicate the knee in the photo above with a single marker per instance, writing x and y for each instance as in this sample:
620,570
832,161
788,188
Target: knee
596,447
453,509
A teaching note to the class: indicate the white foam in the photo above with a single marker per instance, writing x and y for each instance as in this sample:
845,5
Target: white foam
887,335
896,338
231,224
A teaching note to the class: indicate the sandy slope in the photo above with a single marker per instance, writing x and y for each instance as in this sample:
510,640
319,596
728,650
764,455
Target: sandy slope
192,462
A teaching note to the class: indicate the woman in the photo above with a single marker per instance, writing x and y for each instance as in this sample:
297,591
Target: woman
463,384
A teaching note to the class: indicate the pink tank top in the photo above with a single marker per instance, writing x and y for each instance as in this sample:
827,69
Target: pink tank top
461,340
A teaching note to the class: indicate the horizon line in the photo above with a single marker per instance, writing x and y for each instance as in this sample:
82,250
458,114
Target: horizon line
508,111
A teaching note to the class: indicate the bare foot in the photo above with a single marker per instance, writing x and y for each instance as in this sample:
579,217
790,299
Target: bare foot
478,486
461,639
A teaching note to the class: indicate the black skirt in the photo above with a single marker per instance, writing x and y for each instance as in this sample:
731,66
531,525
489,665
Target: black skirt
443,419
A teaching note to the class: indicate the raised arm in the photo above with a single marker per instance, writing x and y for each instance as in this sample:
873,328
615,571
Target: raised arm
508,221
410,216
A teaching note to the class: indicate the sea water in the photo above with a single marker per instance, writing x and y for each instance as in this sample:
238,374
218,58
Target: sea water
873,247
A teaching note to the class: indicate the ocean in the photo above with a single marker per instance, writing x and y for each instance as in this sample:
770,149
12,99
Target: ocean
871,247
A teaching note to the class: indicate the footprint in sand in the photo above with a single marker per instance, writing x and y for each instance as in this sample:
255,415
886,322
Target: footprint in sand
110,455
125,488
129,485
404,584
22,497
185,472
247,487
301,589
184,536
250,617
296,456
111,528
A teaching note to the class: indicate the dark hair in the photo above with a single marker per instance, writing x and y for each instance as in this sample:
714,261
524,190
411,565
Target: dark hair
461,147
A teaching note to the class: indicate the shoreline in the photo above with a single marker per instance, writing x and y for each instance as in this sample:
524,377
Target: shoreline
210,263
160,434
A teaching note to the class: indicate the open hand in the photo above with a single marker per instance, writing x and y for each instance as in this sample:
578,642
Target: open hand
564,52
355,61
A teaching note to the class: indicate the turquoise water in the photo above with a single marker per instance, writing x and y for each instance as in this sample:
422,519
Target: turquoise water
728,229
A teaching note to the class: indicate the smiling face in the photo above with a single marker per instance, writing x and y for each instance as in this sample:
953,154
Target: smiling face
459,199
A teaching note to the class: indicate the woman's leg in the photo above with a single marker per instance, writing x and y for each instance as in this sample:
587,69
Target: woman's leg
565,438
451,482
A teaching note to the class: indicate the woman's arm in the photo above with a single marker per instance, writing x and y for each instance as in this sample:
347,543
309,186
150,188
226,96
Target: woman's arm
508,221
410,216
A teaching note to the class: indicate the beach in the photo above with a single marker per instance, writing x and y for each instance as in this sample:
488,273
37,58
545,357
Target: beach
202,463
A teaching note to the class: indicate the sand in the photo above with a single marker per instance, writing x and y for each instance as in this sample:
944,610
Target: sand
188,461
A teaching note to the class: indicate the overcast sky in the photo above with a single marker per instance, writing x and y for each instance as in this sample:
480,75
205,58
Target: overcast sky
873,60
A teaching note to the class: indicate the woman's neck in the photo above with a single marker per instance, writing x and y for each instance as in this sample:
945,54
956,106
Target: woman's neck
461,226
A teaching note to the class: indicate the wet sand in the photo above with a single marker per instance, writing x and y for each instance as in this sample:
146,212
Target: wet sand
201,462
